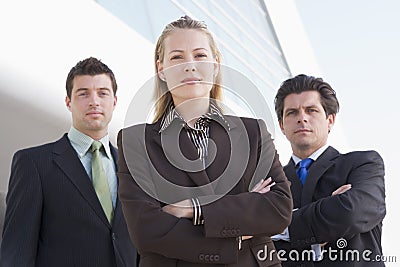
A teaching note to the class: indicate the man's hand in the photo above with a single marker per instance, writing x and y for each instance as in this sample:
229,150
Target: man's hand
342,189
181,209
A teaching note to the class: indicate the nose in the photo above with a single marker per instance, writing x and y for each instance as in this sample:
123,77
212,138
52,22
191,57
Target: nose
94,100
190,66
302,117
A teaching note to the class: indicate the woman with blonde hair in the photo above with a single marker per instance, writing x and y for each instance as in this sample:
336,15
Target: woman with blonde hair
199,188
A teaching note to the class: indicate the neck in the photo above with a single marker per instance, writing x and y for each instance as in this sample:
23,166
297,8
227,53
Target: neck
95,135
304,151
192,109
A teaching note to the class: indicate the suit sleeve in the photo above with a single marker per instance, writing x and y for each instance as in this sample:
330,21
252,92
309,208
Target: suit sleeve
356,211
152,230
23,213
250,213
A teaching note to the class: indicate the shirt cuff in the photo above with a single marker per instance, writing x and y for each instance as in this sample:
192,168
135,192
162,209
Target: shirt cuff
317,255
282,236
197,212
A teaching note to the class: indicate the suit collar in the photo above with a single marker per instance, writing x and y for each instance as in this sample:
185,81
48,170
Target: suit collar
82,142
172,114
315,173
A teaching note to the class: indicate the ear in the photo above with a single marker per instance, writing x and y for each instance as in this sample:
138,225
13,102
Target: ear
331,121
160,70
217,66
281,126
115,101
68,103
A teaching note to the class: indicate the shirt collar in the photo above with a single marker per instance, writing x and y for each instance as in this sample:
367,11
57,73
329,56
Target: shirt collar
82,142
214,113
314,156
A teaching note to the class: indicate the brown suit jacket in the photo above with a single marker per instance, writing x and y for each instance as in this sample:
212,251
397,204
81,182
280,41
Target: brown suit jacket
153,172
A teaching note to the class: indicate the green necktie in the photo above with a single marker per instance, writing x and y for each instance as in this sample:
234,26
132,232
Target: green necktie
100,182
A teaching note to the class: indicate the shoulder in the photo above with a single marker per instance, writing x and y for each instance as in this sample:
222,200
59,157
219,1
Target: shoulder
136,129
40,149
360,158
39,152
248,122
368,155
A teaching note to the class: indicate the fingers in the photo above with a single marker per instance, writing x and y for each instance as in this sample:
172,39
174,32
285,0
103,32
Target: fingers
259,184
342,189
263,186
266,189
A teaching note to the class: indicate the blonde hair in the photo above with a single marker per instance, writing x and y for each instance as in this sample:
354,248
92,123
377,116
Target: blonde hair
162,96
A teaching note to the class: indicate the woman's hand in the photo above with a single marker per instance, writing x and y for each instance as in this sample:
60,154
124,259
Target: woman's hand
263,186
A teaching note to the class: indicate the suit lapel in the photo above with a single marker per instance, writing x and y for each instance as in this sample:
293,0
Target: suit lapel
66,159
317,169
180,152
231,158
295,185
118,215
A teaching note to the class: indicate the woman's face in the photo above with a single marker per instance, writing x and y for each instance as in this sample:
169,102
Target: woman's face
188,65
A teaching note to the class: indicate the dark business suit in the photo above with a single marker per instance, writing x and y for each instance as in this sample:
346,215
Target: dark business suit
356,215
165,240
54,217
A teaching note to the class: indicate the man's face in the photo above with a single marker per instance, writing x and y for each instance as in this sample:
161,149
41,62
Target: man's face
304,122
92,104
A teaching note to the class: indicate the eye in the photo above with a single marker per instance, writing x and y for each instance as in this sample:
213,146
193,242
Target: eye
176,57
104,93
290,112
201,55
83,94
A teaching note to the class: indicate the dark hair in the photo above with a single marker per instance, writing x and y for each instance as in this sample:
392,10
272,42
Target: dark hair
302,83
90,66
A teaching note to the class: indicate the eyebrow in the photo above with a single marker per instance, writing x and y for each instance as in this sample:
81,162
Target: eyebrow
180,51
310,106
85,89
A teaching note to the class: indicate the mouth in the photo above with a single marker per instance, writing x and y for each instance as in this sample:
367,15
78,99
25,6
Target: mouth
94,113
302,130
192,80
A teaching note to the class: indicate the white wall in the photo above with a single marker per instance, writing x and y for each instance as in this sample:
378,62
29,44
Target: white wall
41,42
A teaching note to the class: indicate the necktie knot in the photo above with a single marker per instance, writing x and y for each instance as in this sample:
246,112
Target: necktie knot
305,163
302,171
96,145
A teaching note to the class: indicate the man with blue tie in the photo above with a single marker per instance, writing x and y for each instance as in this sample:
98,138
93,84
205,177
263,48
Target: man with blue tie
62,203
338,199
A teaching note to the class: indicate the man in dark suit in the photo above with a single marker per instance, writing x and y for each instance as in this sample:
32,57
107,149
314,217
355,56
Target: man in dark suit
339,199
62,204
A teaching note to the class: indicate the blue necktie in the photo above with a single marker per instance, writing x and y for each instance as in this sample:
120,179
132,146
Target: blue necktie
302,170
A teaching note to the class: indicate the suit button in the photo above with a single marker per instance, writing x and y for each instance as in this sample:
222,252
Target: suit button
114,236
216,257
312,239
